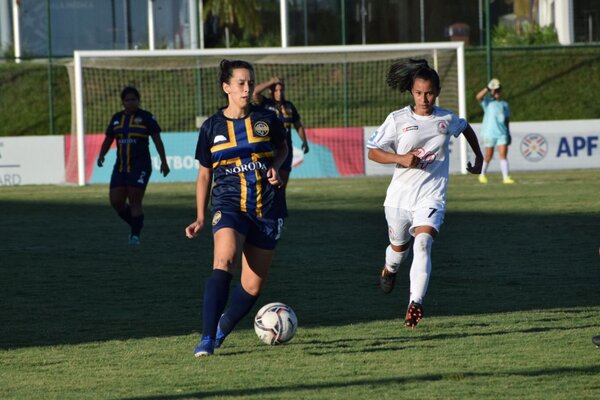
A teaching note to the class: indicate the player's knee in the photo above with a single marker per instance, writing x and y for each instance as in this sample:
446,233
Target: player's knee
252,288
422,244
225,263
399,248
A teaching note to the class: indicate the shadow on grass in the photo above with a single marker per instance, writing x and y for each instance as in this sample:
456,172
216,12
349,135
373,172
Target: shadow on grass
415,380
68,275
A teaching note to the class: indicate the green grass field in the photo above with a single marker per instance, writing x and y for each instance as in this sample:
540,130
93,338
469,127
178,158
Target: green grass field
512,305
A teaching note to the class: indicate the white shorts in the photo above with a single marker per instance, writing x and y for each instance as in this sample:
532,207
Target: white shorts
402,222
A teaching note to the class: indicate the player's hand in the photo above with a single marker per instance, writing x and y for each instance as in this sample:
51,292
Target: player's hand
164,169
273,177
410,160
194,229
305,147
100,161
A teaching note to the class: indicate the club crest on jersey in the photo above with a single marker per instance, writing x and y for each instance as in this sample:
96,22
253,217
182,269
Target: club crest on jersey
138,120
261,128
216,218
442,127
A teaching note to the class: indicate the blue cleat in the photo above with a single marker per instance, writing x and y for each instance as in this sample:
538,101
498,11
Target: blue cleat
206,347
134,240
220,336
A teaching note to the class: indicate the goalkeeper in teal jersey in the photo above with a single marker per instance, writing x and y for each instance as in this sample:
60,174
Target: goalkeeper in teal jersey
495,129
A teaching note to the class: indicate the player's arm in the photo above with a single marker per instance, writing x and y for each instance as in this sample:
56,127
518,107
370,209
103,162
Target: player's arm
258,89
302,133
203,185
104,149
408,160
481,94
471,137
160,148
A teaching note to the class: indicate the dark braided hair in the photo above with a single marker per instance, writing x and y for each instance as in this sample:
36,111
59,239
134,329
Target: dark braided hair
402,75
226,68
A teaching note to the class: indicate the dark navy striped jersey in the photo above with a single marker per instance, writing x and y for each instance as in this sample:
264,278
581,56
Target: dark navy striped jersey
132,133
240,151
286,112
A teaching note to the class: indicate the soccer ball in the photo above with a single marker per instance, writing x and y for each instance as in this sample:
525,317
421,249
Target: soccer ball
275,323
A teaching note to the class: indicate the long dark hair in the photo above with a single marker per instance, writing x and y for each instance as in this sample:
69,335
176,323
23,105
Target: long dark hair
226,70
402,75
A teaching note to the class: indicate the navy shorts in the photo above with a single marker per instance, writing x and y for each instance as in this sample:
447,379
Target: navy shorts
261,232
138,177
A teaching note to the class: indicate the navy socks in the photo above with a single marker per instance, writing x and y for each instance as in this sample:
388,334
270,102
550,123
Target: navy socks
241,304
125,215
136,225
216,293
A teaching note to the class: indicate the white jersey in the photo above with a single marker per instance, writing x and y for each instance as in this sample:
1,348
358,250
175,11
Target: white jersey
428,137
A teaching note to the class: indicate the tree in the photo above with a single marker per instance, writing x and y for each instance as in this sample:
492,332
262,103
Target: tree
244,14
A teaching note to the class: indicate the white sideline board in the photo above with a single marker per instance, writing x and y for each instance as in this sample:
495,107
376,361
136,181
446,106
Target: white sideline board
27,160
536,146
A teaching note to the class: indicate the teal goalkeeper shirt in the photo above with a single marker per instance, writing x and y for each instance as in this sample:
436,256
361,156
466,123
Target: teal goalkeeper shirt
496,112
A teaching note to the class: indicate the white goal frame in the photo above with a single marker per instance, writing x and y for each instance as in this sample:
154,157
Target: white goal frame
80,55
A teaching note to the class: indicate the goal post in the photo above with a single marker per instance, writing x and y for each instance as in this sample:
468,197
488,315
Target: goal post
332,86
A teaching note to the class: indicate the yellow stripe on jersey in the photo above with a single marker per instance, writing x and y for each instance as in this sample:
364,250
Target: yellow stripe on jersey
132,120
255,158
232,141
128,156
266,154
243,189
121,123
138,135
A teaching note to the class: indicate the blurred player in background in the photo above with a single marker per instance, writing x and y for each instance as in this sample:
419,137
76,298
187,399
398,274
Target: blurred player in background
495,129
132,128
241,147
287,113
416,138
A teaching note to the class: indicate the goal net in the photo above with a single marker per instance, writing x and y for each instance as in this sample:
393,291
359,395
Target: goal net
331,86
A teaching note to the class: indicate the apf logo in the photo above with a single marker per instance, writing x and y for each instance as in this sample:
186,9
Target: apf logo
534,147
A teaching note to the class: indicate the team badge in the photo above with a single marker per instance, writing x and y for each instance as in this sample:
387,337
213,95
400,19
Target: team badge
261,128
137,120
442,127
534,147
216,218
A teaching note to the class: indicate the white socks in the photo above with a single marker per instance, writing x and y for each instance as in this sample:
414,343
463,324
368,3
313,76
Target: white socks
393,259
484,168
421,267
504,168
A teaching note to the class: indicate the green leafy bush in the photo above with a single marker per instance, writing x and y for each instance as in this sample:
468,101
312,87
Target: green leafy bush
526,35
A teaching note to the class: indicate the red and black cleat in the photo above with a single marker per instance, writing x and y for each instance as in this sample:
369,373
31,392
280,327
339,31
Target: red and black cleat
414,314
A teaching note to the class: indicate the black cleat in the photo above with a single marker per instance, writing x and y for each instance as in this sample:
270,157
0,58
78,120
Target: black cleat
387,280
596,341
414,314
